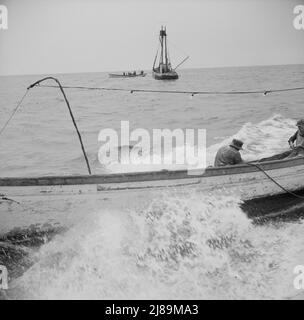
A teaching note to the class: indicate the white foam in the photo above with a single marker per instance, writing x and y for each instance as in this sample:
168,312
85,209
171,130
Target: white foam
263,139
196,246
191,247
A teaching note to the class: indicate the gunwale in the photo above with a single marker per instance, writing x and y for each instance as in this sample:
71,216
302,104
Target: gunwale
149,175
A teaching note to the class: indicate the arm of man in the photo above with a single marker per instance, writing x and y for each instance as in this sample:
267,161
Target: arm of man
238,158
293,138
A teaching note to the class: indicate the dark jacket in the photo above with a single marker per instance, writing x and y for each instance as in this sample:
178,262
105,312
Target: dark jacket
227,156
298,138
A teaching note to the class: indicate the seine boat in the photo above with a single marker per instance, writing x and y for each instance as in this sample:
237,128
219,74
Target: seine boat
249,181
127,75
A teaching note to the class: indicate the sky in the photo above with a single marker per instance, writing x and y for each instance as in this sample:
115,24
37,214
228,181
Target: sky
67,36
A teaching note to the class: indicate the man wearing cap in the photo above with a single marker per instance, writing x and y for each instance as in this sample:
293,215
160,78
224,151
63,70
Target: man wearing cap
296,141
229,155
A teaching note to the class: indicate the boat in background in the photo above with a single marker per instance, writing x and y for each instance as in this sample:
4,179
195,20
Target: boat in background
164,71
127,74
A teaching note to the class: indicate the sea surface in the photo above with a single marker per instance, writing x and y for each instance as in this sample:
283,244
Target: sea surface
176,248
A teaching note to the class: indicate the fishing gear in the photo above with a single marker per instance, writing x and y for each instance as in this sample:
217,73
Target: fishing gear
5,198
13,113
71,114
264,92
274,181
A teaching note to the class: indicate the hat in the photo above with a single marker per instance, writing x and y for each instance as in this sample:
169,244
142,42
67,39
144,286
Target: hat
300,123
238,144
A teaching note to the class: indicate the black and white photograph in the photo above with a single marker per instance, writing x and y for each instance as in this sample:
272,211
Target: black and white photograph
153,151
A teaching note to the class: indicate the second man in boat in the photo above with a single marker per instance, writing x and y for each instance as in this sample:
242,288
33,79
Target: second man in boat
296,141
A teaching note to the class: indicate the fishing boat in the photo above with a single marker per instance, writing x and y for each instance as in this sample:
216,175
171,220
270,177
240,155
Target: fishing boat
249,181
53,200
164,70
127,75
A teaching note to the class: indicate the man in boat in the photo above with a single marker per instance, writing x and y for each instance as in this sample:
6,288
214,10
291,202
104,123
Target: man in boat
296,141
229,155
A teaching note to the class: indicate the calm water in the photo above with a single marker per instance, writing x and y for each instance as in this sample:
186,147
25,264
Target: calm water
162,251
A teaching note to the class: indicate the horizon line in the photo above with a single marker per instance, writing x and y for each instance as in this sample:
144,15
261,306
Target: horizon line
147,70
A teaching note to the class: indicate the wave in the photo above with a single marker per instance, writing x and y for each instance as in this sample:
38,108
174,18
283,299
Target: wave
190,247
261,140
195,246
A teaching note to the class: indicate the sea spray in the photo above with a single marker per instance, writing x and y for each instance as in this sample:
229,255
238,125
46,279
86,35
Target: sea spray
206,248
188,247
191,246
188,241
262,139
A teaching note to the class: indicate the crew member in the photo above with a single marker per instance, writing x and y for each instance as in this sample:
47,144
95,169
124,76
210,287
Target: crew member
229,155
296,141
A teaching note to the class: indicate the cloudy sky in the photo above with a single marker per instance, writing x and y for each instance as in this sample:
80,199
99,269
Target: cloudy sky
63,36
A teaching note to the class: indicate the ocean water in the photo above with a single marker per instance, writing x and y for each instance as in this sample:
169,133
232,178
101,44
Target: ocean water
189,247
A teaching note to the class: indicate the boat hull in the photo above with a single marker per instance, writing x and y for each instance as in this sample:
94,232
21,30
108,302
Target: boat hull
248,182
165,76
65,200
113,75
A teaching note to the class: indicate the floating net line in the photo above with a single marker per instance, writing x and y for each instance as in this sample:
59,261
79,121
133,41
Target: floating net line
264,92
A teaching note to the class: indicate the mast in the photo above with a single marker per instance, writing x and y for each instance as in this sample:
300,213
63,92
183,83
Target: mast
166,50
164,70
163,44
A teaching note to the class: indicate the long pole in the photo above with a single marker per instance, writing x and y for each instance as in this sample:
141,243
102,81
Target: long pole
181,63
71,114
166,50
162,50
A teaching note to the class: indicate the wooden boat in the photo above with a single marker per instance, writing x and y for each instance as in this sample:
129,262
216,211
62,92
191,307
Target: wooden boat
164,71
66,200
247,181
127,75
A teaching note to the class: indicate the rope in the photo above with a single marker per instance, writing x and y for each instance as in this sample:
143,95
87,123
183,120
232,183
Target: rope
71,114
70,110
274,181
13,113
182,51
5,198
265,92
274,214
155,58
